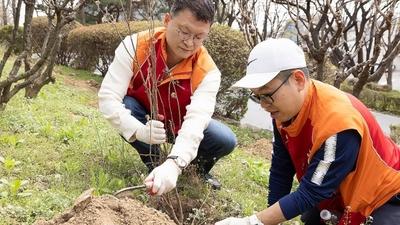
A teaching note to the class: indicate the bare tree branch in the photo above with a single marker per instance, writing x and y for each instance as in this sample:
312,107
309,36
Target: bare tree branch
36,76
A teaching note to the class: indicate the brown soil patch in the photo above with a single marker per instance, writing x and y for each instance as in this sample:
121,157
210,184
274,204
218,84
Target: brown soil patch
108,210
90,85
262,147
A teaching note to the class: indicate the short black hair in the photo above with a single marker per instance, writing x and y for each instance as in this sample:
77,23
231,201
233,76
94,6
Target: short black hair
203,10
285,73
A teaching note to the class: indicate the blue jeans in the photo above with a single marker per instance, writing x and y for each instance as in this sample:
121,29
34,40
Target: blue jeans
218,141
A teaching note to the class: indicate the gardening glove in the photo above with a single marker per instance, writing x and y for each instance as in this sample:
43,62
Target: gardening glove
163,178
250,220
152,133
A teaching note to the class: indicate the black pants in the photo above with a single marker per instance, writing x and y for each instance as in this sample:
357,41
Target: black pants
387,214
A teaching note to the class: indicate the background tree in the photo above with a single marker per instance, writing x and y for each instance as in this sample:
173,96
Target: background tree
369,43
141,10
35,74
228,49
319,27
101,11
5,12
226,11
259,20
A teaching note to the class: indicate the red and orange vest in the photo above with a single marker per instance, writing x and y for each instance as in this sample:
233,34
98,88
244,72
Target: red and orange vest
173,87
376,177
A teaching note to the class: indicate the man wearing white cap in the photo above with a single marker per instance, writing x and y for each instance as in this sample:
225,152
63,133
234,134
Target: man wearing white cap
347,168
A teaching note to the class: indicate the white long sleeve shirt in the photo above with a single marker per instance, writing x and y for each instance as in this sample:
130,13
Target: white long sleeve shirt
114,89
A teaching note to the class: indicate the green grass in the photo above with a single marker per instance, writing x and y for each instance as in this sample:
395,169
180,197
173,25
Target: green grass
80,74
245,182
63,146
58,145
395,133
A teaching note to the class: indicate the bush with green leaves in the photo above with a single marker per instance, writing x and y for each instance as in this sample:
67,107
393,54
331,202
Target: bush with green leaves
6,34
94,45
383,101
395,133
40,31
229,50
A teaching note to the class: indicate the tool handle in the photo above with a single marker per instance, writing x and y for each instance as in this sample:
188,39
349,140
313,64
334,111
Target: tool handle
142,186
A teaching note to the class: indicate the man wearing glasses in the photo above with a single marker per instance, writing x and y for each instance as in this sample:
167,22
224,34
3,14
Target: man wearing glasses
161,87
347,168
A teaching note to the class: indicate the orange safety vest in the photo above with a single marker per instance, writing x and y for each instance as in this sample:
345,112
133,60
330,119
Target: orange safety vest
174,87
376,177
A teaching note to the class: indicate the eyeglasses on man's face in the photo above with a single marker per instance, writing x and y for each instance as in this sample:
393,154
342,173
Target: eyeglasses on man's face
184,36
267,98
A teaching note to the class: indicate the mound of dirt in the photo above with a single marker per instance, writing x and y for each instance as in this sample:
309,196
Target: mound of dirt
108,210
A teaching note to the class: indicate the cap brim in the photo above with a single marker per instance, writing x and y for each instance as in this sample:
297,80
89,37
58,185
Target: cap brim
255,80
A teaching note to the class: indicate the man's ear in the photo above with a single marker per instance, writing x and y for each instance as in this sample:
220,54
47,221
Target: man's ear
300,79
167,18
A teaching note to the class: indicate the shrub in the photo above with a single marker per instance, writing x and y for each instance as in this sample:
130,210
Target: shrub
95,45
229,50
39,33
387,101
395,133
5,37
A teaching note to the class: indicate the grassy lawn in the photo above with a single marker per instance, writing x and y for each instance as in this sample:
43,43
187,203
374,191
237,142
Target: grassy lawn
53,148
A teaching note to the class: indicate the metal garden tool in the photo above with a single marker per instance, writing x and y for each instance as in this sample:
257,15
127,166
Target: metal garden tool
126,190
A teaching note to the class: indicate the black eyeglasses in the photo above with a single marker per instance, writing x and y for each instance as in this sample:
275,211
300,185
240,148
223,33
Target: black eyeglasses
184,36
267,98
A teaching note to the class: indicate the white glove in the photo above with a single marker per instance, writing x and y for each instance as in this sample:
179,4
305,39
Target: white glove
151,133
163,178
250,220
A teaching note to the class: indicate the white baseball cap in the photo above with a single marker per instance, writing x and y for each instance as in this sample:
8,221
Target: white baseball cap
268,58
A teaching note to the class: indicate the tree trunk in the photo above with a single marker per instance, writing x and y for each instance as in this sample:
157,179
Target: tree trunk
14,8
375,79
82,16
99,18
29,8
389,78
46,77
359,85
4,9
338,81
117,15
128,10
320,70
231,19
33,90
